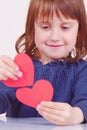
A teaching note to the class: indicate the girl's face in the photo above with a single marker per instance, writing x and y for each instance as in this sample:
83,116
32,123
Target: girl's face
56,37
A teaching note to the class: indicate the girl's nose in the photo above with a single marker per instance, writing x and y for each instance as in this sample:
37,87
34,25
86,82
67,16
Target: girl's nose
55,35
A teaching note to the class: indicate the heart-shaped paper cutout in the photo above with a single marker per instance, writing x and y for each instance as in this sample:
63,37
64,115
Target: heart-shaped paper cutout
41,91
26,66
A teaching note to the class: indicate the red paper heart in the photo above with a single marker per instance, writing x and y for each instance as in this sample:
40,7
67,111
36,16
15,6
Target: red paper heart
26,66
41,91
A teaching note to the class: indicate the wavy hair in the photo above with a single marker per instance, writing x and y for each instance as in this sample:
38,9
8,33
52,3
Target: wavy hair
74,9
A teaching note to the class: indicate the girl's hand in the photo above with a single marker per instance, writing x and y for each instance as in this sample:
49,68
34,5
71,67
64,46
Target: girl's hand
60,113
8,68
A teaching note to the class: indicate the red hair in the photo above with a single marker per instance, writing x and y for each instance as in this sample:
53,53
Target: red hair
73,9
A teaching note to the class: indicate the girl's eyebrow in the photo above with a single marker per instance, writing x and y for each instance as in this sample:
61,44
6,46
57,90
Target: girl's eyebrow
42,21
71,21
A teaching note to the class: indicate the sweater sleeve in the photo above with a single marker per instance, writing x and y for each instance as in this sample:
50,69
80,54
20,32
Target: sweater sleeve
7,97
80,90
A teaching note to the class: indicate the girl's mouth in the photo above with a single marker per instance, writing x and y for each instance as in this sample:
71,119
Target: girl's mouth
55,45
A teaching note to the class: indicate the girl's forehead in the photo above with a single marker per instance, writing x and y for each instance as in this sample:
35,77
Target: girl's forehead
48,16
53,17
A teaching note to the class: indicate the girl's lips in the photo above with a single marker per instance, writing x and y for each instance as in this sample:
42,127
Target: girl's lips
53,45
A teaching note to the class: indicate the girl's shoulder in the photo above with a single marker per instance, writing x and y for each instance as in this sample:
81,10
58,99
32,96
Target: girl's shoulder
77,67
80,64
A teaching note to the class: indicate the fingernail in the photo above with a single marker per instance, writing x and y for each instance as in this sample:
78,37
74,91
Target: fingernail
17,68
16,79
37,108
42,103
20,74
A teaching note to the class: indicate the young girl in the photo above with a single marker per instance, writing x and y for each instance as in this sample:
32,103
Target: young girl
56,39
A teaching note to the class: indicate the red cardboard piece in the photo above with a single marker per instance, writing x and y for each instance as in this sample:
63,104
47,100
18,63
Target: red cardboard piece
26,66
41,91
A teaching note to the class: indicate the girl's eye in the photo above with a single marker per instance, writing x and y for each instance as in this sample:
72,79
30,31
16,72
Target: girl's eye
65,27
45,27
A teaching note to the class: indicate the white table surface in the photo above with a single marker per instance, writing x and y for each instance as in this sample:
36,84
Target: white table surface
34,124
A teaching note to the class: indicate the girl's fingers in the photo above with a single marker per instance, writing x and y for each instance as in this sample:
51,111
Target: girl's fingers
52,118
55,113
9,69
50,110
7,60
3,77
9,74
54,105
